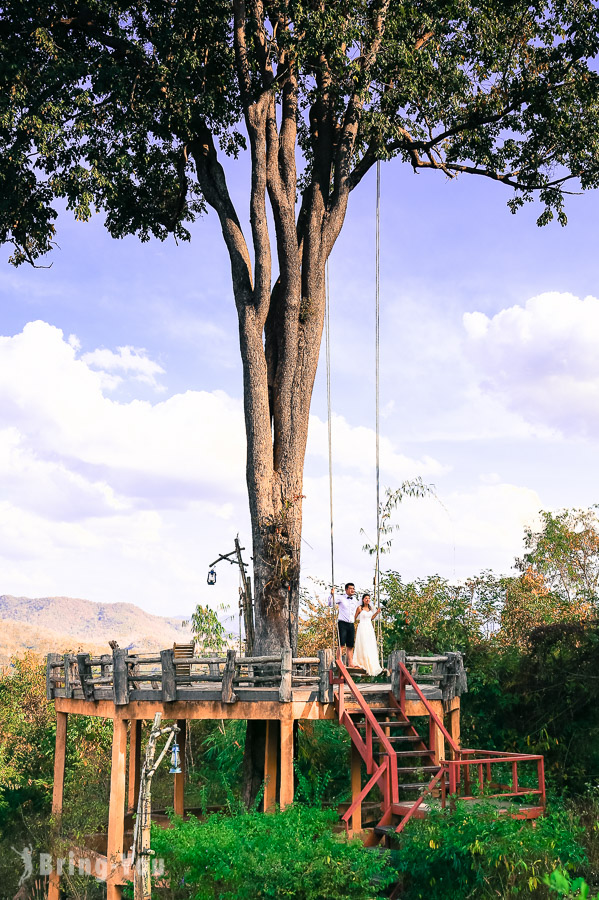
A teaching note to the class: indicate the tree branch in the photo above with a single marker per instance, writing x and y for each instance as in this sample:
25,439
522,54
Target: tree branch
349,131
212,181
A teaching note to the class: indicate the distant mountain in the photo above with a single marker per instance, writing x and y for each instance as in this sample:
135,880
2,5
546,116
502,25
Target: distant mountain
59,624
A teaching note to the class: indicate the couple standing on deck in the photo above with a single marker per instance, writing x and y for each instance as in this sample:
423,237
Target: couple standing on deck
351,611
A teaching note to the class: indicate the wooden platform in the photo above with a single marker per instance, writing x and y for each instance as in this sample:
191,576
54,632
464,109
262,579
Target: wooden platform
129,688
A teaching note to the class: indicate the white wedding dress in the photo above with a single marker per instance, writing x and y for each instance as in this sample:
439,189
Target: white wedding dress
366,652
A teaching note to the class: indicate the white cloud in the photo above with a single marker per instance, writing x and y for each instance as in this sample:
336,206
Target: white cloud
542,359
456,534
163,453
131,500
354,448
111,500
133,361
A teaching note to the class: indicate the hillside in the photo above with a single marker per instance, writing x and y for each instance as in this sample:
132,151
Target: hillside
65,623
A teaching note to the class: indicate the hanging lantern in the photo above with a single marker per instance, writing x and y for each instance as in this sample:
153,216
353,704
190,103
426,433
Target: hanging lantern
175,768
211,577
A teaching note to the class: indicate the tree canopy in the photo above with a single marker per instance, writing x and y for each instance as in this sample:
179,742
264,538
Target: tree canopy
128,105
139,108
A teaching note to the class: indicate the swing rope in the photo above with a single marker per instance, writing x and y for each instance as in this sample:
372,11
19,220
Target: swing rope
329,424
377,314
335,628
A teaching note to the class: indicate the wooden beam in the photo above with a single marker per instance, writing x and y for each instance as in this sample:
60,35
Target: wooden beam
454,724
270,765
60,752
84,669
120,675
210,707
51,660
68,687
285,690
116,811
287,775
169,679
227,693
134,764
179,799
325,688
356,787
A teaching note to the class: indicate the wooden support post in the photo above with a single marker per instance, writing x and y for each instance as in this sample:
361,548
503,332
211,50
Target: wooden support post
437,706
227,693
325,688
179,799
356,787
286,790
60,752
169,682
59,761
285,689
270,764
454,722
120,677
395,657
116,810
134,764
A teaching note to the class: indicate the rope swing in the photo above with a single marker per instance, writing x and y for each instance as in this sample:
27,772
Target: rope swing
335,628
376,592
377,343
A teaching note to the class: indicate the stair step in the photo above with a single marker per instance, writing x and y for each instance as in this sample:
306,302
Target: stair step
383,710
403,753
386,724
409,769
397,738
418,785
403,808
383,830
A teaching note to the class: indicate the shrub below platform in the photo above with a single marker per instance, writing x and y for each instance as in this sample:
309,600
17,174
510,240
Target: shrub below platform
252,856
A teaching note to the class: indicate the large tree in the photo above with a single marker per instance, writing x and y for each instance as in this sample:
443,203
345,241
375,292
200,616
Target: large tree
138,107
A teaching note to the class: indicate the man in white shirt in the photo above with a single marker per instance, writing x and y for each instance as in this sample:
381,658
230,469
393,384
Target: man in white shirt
347,604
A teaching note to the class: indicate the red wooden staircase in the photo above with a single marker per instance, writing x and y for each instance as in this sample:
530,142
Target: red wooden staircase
406,767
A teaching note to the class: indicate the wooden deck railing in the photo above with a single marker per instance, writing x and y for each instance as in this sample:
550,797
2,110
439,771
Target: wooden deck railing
124,676
444,672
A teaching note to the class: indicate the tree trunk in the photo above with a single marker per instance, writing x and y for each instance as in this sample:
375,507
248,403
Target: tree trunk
275,483
275,472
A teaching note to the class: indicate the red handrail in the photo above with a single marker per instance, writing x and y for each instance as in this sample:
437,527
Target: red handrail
365,790
449,769
478,757
427,790
404,674
372,724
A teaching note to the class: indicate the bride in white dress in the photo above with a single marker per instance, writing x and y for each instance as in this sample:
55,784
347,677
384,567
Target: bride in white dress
366,654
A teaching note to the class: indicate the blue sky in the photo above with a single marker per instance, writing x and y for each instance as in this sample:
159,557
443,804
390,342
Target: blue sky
121,434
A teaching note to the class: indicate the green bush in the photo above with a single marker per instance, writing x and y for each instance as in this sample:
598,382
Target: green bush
473,853
293,853
560,882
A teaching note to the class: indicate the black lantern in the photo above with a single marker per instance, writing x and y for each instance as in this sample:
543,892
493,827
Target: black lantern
175,768
211,577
